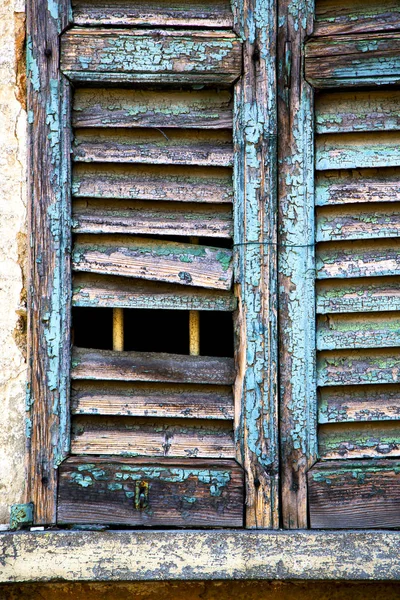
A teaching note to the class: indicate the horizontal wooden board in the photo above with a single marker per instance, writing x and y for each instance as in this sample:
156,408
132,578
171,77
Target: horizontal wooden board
359,222
167,108
359,403
181,493
334,17
354,495
161,218
353,367
213,13
353,186
151,56
153,182
353,60
359,440
131,436
93,290
369,330
211,148
341,112
358,295
357,150
358,259
107,365
157,260
151,400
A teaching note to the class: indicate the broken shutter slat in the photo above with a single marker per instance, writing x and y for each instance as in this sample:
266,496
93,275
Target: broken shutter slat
357,150
121,108
185,492
359,222
161,56
151,366
358,367
363,295
152,400
358,331
359,403
145,258
358,259
349,187
334,17
99,290
359,440
349,495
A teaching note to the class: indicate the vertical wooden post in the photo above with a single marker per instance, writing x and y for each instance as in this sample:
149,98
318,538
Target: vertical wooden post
118,329
194,323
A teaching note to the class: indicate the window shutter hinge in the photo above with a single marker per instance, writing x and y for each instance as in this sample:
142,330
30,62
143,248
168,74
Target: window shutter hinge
21,515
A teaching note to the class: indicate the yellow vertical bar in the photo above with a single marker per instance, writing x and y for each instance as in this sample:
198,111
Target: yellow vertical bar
118,329
194,323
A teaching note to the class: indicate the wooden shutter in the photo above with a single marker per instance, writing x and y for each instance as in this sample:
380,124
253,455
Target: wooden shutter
143,129
340,271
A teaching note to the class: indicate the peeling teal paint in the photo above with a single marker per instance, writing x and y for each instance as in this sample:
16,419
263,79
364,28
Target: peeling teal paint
32,66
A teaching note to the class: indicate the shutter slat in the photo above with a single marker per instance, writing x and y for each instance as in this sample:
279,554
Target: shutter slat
363,295
161,56
103,365
375,330
347,495
334,17
358,222
121,108
181,492
357,150
353,259
359,403
358,367
151,400
147,437
359,440
186,264
349,187
184,184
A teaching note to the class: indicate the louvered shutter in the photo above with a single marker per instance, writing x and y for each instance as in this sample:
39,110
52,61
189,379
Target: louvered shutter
340,293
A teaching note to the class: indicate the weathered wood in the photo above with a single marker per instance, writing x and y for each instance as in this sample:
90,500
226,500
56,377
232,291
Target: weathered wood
296,263
358,259
211,148
130,436
162,218
160,56
183,493
103,365
357,150
156,260
116,107
102,291
194,333
371,330
118,329
256,394
334,17
348,187
353,367
340,112
355,495
151,400
359,403
358,222
358,295
353,60
153,182
48,332
213,13
359,440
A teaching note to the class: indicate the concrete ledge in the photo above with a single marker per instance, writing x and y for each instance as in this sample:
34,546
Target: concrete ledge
198,555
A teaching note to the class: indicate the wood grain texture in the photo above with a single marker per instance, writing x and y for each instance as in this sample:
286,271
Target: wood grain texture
184,493
208,108
343,112
355,495
358,295
359,440
359,222
213,13
359,403
358,367
152,400
334,17
296,263
103,291
48,332
357,150
151,56
370,330
153,259
353,60
256,394
103,365
128,436
358,259
153,182
362,185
